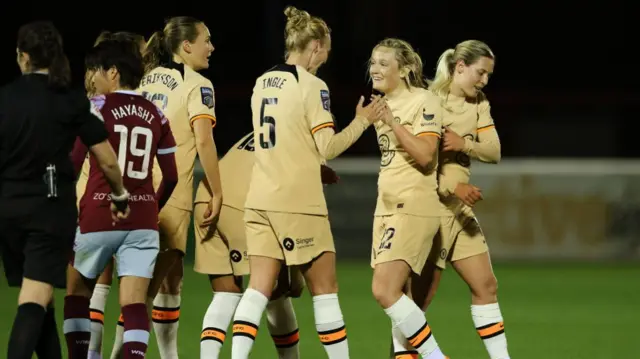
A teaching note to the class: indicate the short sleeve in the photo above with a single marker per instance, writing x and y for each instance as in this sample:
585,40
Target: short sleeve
428,121
167,143
485,121
201,103
318,106
90,123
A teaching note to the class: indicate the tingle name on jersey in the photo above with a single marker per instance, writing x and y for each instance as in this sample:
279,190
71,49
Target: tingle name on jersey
101,196
164,79
132,110
273,82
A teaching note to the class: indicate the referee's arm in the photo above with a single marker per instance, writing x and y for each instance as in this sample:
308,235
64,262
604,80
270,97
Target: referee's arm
96,138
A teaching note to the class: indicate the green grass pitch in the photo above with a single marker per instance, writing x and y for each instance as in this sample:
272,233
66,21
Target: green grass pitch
552,311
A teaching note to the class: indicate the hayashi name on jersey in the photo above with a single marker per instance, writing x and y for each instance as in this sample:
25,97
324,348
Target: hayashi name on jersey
101,196
132,110
164,79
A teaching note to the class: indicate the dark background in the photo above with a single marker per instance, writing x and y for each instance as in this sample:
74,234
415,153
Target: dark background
561,88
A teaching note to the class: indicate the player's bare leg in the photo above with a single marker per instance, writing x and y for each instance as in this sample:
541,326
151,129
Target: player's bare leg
477,272
227,291
97,305
166,303
322,282
389,280
264,273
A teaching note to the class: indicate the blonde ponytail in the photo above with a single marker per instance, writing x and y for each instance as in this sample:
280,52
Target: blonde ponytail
444,74
468,52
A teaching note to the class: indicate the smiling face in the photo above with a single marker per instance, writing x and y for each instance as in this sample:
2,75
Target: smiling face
471,79
384,70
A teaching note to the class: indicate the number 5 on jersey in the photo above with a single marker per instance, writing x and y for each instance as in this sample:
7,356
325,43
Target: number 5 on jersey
129,146
269,122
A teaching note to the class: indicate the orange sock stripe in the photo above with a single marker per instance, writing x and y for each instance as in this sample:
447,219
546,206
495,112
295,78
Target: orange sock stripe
211,333
245,329
121,320
286,340
165,315
409,354
490,330
421,336
96,316
334,336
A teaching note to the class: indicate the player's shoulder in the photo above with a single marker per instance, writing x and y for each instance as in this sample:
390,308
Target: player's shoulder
310,80
194,78
482,101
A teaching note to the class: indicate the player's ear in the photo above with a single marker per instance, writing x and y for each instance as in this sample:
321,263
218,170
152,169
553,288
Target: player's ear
186,46
460,65
112,73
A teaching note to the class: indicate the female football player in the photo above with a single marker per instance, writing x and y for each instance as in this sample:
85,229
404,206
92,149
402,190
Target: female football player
408,210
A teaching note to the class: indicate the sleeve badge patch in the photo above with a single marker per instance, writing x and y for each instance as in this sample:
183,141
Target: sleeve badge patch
326,101
207,96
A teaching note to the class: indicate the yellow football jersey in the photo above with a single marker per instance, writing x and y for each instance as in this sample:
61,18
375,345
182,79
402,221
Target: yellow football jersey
289,105
403,185
184,96
235,173
471,120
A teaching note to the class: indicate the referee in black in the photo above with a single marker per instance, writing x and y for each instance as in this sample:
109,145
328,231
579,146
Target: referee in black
40,118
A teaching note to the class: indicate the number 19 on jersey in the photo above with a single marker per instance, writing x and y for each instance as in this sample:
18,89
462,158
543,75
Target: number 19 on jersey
129,147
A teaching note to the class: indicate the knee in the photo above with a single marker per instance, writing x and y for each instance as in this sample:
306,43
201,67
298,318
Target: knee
172,283
320,286
226,284
485,291
384,293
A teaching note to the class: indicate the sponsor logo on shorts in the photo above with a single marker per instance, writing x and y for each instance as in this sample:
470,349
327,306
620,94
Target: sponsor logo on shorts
443,254
304,242
235,256
288,244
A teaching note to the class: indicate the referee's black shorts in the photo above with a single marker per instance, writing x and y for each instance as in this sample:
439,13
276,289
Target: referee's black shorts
36,238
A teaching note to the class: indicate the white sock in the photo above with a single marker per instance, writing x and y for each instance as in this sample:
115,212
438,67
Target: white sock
401,347
216,322
166,316
330,326
283,326
246,322
490,326
118,342
407,316
96,313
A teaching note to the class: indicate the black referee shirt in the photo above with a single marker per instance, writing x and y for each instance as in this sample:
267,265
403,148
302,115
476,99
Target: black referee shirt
38,126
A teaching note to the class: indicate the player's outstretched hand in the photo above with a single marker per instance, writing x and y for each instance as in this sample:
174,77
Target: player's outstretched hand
373,111
117,214
468,194
212,213
328,175
451,141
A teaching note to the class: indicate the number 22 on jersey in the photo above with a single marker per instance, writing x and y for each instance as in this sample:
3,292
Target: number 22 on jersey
267,124
129,146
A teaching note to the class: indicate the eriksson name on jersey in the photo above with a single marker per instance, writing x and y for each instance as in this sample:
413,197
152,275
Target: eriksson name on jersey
164,79
132,110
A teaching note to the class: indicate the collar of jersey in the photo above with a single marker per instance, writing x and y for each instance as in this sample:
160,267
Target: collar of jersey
128,92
